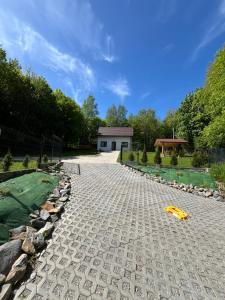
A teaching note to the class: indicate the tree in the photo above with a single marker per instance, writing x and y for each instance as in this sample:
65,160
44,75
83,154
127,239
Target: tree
146,127
168,125
144,158
90,108
173,160
157,158
71,122
116,117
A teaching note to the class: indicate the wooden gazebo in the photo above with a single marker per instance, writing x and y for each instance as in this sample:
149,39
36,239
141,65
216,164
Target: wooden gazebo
167,144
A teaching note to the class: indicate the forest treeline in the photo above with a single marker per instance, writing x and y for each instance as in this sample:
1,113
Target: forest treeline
29,105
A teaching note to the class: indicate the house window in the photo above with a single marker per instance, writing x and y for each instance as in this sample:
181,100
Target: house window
103,144
125,144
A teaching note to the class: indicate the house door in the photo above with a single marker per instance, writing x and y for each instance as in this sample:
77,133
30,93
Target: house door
113,146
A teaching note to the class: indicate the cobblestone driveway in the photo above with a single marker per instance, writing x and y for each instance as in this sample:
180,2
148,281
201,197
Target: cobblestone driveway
116,242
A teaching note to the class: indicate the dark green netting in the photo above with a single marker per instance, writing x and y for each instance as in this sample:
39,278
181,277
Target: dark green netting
20,196
183,176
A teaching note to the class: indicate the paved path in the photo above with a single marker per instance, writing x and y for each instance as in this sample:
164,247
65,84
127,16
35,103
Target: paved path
116,242
101,158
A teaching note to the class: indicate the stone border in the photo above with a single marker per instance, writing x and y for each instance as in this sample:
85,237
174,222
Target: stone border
203,192
26,241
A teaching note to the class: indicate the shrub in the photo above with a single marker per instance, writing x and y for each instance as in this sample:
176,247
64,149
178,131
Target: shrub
131,156
199,159
157,158
137,155
7,162
144,158
45,158
26,161
173,160
218,172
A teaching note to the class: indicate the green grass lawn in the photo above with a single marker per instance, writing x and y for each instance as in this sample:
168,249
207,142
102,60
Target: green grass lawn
17,165
183,162
184,176
20,196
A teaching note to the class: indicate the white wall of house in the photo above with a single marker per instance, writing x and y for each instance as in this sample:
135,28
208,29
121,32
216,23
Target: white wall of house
109,139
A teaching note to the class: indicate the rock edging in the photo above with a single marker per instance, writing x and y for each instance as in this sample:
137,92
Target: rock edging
199,191
27,241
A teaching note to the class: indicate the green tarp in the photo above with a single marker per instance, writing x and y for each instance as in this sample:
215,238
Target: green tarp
20,196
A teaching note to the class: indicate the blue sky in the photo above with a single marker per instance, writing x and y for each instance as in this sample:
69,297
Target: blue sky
143,54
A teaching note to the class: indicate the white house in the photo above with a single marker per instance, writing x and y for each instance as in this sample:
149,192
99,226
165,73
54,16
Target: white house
112,138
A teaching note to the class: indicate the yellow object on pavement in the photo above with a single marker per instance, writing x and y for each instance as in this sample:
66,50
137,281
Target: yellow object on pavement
178,213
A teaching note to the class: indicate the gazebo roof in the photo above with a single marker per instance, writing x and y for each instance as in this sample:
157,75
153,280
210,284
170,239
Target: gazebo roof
169,142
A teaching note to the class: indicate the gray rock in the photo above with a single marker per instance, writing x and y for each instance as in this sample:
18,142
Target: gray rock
17,230
9,252
220,199
64,192
39,241
56,192
2,279
44,214
18,270
46,230
37,223
6,291
54,218
64,198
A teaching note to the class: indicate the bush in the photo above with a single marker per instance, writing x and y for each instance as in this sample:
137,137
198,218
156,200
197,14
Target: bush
26,161
144,158
137,155
131,156
45,158
173,160
7,162
157,158
218,172
199,159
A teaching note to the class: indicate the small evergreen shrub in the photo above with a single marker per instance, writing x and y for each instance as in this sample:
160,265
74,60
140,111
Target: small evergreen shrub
26,161
137,156
199,159
45,158
7,162
131,156
157,158
144,158
174,161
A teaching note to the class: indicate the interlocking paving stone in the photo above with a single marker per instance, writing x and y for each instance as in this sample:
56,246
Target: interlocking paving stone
115,241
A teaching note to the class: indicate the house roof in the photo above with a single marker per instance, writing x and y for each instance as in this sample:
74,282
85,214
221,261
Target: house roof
115,131
160,142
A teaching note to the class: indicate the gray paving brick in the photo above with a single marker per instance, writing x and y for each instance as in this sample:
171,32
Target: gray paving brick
115,241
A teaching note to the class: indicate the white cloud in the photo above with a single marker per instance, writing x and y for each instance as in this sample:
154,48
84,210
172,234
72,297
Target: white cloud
108,56
145,95
19,39
119,87
216,28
